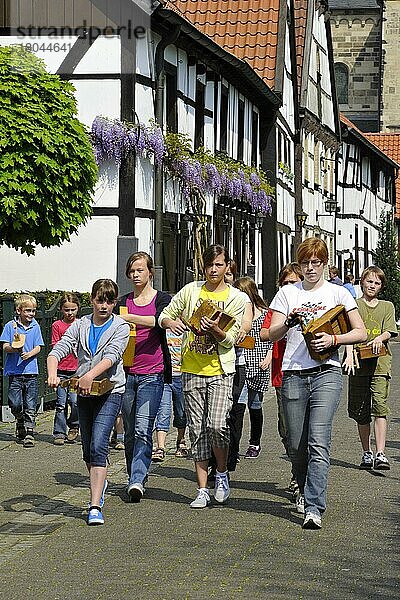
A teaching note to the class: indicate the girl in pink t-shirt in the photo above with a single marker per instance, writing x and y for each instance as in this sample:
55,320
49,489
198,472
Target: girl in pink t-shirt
145,377
69,307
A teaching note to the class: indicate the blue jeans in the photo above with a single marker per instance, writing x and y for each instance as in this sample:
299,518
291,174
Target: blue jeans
96,420
251,397
141,402
23,398
172,392
163,418
309,402
64,399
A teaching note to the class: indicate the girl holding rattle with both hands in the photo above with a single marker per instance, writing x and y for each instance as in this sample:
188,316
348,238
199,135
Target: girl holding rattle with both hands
311,389
99,340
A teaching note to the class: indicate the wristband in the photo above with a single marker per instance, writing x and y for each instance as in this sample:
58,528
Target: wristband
335,340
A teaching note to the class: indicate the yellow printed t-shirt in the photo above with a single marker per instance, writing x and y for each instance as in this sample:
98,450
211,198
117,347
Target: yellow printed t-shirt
201,353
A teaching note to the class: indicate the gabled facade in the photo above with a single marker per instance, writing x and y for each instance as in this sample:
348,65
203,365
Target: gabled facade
318,137
389,144
366,187
262,35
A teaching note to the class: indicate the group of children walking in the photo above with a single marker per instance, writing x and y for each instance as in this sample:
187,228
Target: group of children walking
210,377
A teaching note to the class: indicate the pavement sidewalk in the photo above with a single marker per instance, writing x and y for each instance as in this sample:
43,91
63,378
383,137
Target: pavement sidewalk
253,547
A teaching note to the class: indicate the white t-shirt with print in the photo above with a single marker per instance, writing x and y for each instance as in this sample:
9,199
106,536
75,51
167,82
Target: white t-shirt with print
311,304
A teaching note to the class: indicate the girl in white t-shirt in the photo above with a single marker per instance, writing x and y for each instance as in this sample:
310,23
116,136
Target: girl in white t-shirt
311,389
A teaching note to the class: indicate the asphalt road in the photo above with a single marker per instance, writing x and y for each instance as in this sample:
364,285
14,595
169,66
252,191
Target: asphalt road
253,547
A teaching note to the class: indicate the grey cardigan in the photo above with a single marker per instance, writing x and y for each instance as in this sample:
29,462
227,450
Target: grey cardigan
111,345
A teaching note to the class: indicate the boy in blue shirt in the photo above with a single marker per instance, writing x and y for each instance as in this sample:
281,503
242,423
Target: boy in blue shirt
22,340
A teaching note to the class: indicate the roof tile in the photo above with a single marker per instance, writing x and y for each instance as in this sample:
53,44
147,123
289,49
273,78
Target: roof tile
247,29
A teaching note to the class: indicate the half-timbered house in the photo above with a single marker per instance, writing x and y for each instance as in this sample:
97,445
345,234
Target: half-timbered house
125,66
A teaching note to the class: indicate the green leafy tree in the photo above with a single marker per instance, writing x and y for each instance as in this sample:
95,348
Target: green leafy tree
47,165
387,259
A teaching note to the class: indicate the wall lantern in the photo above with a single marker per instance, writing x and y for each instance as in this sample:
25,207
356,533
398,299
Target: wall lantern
330,207
349,264
301,219
259,220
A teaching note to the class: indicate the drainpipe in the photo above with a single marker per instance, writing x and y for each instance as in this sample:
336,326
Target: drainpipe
165,41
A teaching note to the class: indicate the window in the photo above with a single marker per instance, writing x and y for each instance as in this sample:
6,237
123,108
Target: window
199,119
279,146
240,130
342,83
316,165
171,116
366,248
223,119
254,139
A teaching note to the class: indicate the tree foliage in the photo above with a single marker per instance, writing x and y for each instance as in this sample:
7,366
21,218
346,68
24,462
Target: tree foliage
47,165
387,258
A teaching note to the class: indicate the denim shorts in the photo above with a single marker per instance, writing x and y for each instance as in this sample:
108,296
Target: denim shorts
96,420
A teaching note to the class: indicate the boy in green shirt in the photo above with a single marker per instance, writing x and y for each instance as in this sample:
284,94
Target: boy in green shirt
369,385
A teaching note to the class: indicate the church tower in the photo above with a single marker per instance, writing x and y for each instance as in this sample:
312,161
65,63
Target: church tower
366,37
357,33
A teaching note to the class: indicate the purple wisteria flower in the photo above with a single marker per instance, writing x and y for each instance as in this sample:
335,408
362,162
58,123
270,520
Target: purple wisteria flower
115,140
214,181
156,144
254,179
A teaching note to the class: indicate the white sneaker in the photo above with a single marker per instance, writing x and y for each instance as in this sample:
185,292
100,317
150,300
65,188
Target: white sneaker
312,521
300,503
367,460
221,490
135,492
202,499
381,462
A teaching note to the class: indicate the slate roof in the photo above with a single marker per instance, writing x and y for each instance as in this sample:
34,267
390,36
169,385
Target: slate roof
353,4
247,29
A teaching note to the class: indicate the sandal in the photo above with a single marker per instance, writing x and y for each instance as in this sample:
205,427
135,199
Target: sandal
181,450
158,455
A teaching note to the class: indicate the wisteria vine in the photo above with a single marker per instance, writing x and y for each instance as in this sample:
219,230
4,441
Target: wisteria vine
198,173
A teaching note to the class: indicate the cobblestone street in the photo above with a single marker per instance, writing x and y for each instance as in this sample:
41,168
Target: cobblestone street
253,547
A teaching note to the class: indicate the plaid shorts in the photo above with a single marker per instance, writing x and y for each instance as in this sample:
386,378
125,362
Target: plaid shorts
208,401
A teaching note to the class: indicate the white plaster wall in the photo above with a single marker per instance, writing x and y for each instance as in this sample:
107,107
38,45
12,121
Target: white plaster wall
144,231
144,103
172,196
75,265
109,48
144,184
285,207
107,187
99,97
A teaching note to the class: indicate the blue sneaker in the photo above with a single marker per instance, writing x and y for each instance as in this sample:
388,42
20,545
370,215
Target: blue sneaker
103,493
95,516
